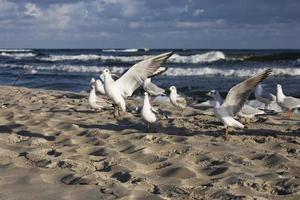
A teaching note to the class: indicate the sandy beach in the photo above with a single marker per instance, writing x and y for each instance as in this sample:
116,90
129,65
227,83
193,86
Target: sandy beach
53,146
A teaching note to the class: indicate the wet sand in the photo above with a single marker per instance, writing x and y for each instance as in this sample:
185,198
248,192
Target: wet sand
53,146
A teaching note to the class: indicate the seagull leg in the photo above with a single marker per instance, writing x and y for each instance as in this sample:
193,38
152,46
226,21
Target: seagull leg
116,111
148,127
226,136
289,114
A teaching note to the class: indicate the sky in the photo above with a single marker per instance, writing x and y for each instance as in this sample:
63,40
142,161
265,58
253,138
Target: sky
215,24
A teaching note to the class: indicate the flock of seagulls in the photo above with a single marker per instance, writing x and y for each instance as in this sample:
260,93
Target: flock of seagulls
235,105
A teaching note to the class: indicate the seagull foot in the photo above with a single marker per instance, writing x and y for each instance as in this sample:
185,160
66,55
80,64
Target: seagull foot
227,137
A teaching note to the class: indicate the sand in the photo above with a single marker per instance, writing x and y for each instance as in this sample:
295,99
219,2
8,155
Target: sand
52,146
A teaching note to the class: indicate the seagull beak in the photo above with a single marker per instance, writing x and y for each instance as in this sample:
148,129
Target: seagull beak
208,94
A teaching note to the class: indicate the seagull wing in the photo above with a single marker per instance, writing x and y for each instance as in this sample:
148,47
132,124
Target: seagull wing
267,95
153,89
238,94
291,102
159,71
181,101
139,72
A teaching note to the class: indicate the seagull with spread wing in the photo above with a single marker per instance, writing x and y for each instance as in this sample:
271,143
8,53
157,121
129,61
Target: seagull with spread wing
236,99
123,87
247,112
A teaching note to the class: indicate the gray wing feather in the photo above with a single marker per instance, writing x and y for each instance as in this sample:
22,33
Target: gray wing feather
153,89
267,95
291,102
238,94
139,72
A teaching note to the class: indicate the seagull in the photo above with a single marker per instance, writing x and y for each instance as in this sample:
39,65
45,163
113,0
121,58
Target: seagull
94,101
153,89
148,112
177,100
216,96
92,81
124,86
236,99
100,86
287,103
263,96
248,112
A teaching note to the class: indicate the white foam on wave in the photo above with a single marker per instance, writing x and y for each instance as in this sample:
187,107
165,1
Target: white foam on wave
16,50
65,68
205,71
210,71
86,57
17,55
83,57
210,56
120,50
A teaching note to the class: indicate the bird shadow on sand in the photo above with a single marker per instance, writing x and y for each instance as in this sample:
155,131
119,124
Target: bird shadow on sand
11,129
118,126
32,134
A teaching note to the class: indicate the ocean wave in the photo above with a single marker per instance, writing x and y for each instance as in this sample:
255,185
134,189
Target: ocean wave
210,56
86,57
83,57
18,55
120,50
65,68
16,50
210,71
205,71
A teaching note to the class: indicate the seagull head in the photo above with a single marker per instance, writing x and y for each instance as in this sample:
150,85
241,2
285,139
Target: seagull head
173,89
212,93
105,72
92,80
279,87
145,94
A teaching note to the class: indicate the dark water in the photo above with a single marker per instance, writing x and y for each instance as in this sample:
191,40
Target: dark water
71,69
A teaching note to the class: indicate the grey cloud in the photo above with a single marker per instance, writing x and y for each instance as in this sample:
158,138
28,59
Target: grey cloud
142,23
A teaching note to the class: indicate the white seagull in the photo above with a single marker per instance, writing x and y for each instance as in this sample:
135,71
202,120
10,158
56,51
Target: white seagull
177,100
287,103
148,112
100,87
248,112
153,89
92,81
123,87
94,101
263,96
236,99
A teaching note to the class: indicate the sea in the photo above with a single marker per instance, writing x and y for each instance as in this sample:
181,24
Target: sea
192,71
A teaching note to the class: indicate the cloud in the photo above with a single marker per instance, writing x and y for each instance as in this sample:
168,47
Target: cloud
198,12
32,10
143,23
